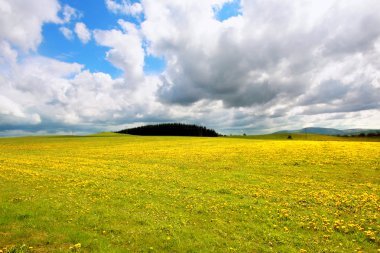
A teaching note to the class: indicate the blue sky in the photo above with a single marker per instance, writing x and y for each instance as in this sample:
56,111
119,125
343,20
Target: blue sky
228,10
235,66
96,16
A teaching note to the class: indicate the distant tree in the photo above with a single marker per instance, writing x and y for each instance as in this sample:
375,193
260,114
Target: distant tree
373,134
244,134
290,137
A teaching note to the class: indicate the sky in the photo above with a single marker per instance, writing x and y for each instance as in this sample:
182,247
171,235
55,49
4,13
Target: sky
248,66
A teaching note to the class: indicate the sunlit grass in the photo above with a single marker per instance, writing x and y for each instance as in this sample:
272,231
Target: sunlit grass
112,193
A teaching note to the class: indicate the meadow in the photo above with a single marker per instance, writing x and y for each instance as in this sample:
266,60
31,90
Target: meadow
121,193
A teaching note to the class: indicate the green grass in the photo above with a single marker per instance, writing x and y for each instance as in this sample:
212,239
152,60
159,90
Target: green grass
120,193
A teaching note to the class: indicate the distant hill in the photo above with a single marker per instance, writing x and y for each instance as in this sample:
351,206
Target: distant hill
171,129
330,131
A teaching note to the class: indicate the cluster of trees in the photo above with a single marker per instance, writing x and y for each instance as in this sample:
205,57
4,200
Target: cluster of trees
371,134
171,129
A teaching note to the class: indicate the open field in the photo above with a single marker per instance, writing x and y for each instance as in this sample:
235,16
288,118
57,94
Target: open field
113,193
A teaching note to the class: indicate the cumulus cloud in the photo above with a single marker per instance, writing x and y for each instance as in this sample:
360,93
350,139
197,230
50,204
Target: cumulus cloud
82,32
8,56
12,113
66,32
290,55
69,13
126,51
124,7
21,21
33,83
42,93
276,65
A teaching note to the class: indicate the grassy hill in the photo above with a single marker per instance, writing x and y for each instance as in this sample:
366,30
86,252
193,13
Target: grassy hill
123,193
330,131
302,136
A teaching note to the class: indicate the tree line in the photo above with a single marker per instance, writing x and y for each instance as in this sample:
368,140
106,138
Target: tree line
171,129
371,134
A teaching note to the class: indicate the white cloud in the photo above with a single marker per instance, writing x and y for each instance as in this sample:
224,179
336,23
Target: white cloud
66,32
69,13
21,21
44,94
82,32
126,51
8,56
12,113
273,53
124,7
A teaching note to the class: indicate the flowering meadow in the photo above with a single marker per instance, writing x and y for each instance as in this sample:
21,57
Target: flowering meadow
120,193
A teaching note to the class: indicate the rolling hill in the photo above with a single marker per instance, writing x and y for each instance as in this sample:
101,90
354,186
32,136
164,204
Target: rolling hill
329,131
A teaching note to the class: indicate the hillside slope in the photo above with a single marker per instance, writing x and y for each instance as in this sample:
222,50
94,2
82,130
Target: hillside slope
329,131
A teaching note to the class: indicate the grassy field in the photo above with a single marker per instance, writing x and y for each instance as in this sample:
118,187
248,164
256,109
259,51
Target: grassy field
112,193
